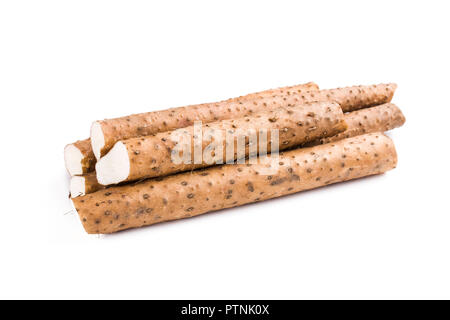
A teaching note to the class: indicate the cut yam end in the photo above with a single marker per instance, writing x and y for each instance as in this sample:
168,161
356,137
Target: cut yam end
77,187
97,139
73,158
114,167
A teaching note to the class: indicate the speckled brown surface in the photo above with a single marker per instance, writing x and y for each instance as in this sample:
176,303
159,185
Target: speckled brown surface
375,119
150,156
350,99
193,193
143,124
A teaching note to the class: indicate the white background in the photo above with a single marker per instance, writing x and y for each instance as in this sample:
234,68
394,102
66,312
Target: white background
64,64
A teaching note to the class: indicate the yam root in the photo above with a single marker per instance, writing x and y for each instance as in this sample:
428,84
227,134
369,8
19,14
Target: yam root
107,132
359,97
79,158
193,193
151,156
104,134
375,119
82,185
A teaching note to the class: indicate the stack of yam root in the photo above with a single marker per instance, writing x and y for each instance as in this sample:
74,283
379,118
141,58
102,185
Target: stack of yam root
126,176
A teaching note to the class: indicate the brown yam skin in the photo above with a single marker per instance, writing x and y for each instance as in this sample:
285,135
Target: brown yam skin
311,86
359,97
88,162
350,99
91,183
150,156
375,119
148,123
193,193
